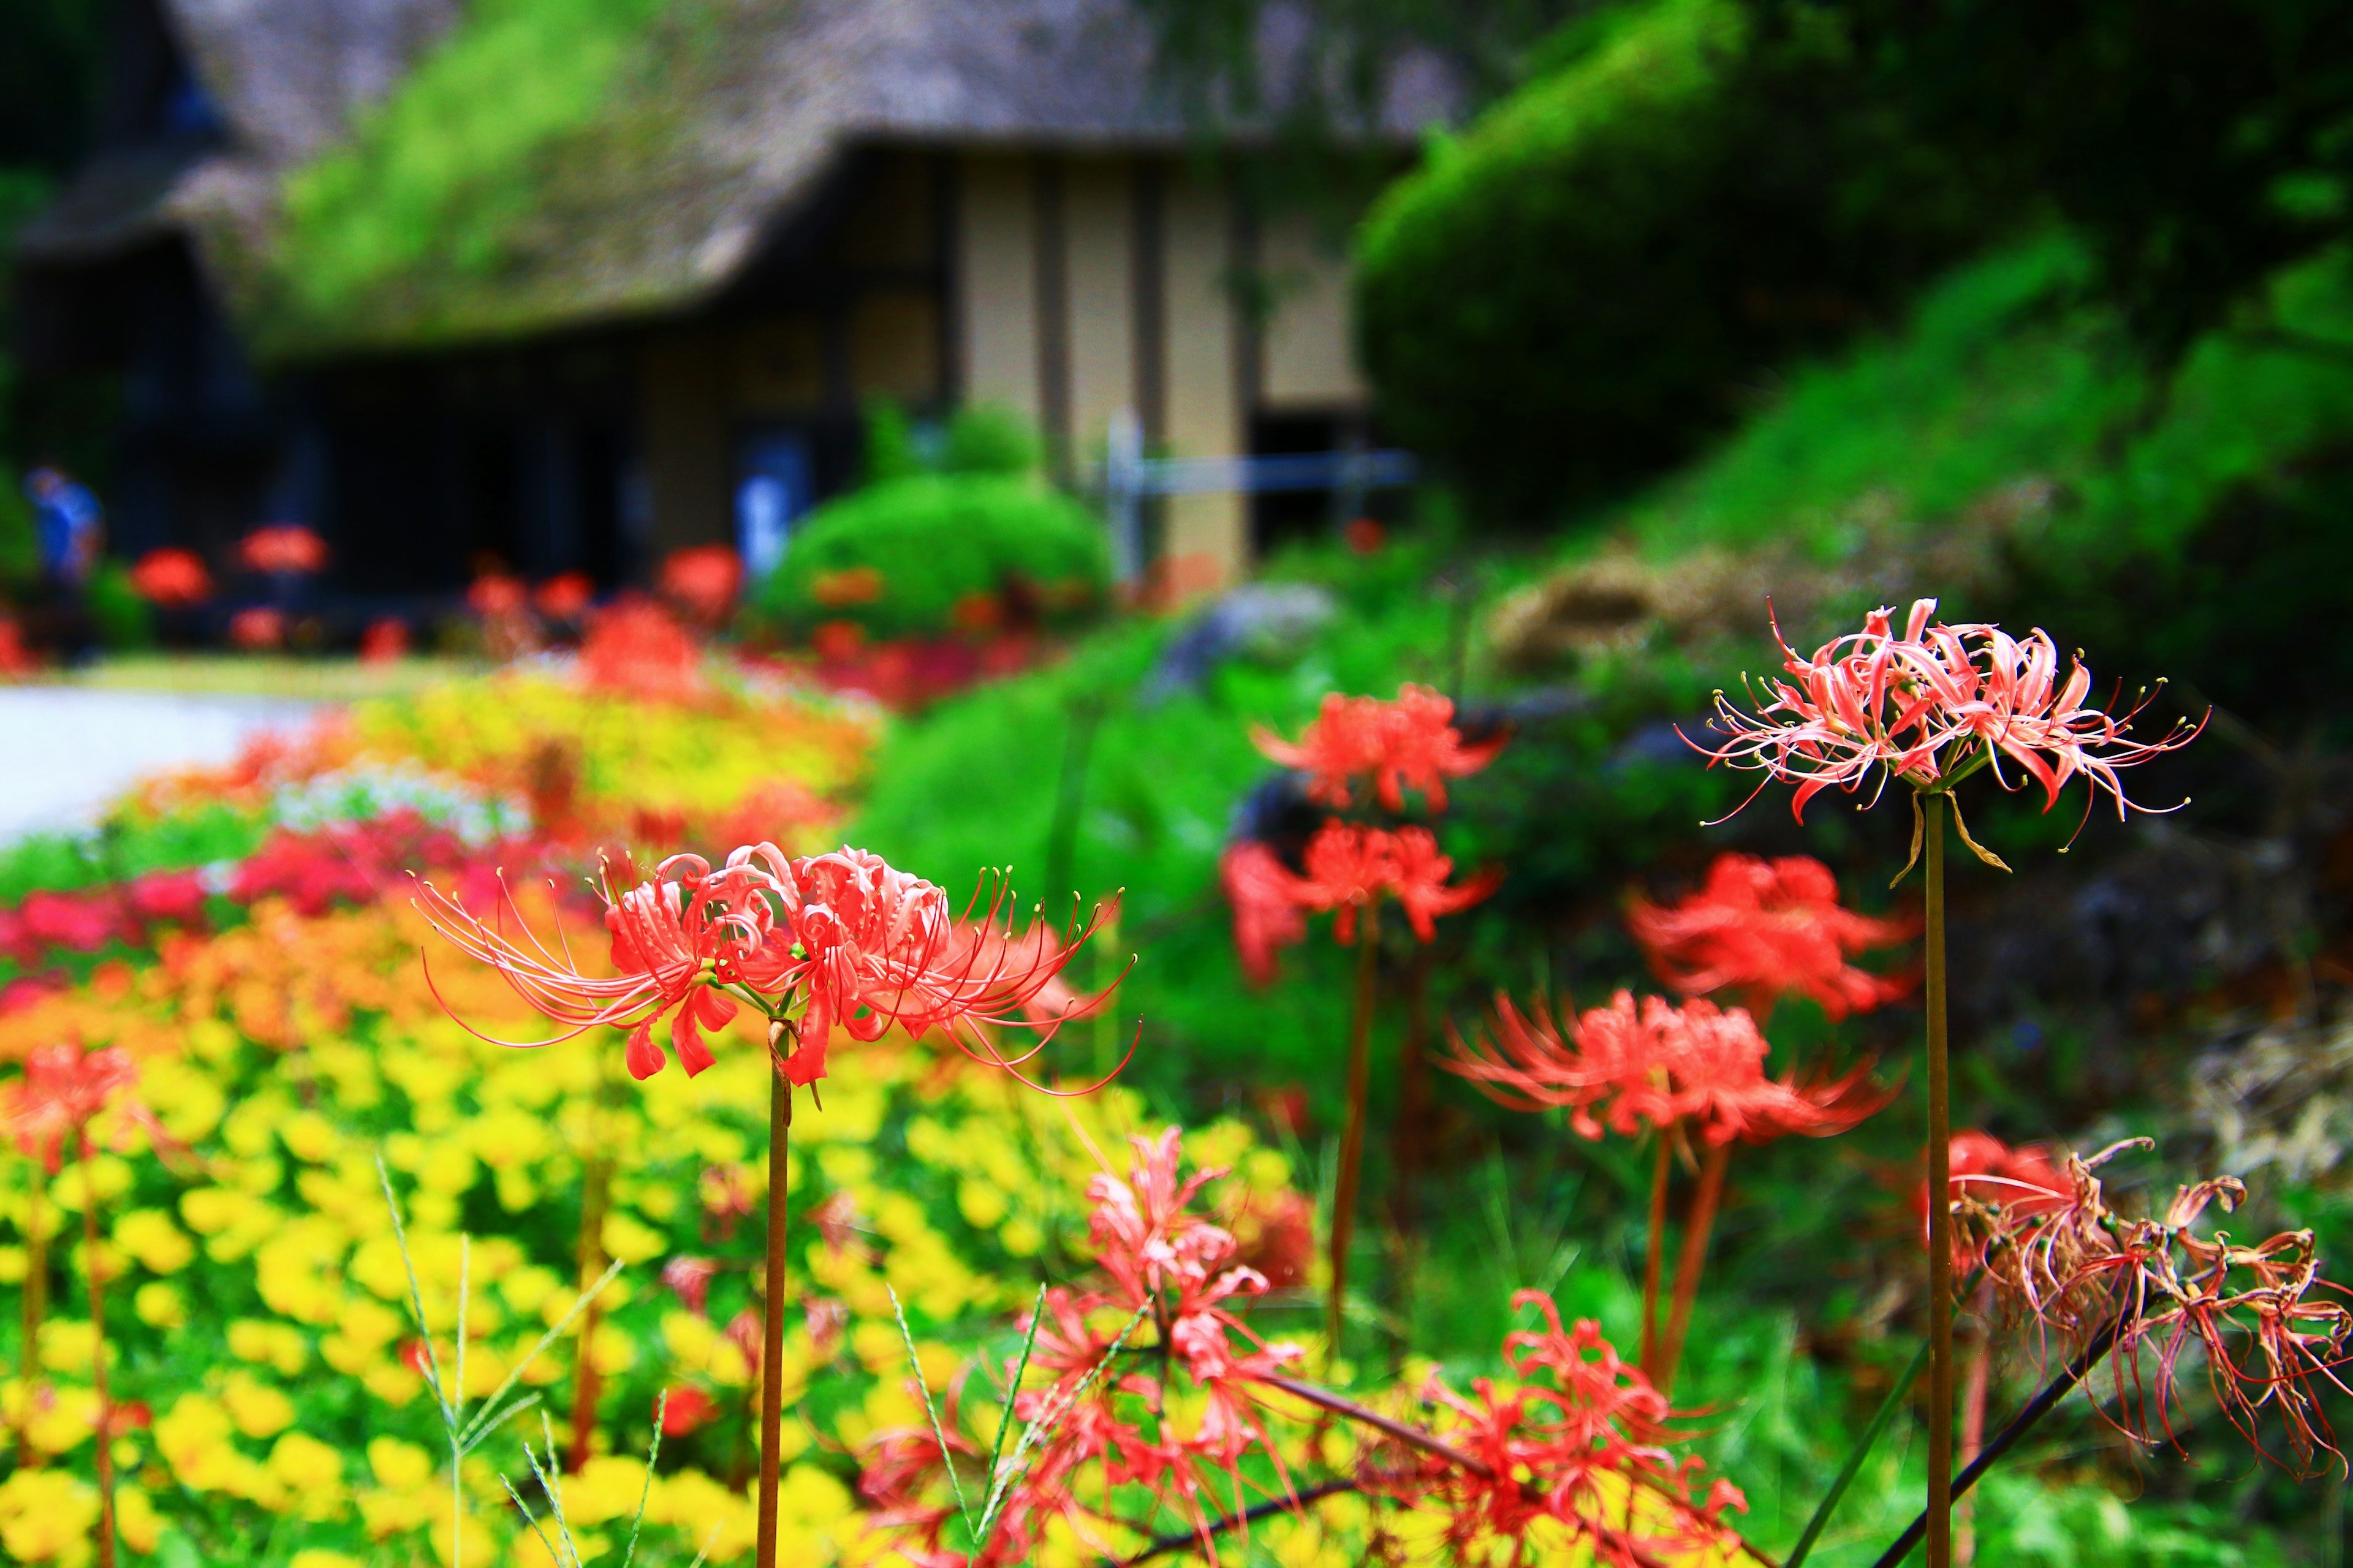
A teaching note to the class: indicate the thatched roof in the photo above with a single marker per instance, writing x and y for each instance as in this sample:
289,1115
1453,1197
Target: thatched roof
720,122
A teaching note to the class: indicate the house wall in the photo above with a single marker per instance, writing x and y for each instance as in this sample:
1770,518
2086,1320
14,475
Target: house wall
1307,355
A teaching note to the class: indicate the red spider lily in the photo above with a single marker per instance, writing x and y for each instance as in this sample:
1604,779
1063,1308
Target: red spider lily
689,1278
1930,707
1351,867
172,579
2059,1256
1266,899
685,1409
258,629
726,1195
1632,1067
1411,744
1582,1414
564,597
1768,929
283,550
386,641
64,1089
496,594
853,943
703,581
633,649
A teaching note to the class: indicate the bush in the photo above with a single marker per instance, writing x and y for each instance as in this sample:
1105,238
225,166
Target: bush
932,553
1570,295
961,538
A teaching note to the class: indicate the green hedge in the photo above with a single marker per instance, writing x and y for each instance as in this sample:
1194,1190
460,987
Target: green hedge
929,553
1567,297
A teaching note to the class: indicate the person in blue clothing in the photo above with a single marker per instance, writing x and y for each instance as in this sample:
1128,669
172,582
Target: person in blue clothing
69,523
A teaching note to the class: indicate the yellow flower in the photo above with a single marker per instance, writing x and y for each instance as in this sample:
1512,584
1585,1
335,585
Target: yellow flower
135,1518
259,1410
318,1557
606,1487
66,1424
46,1516
630,1240
403,1467
66,1344
149,1235
312,1473
279,1345
194,1438
160,1306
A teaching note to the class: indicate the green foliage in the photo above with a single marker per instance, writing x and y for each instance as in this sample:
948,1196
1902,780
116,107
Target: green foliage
1569,295
63,861
929,553
462,200
124,619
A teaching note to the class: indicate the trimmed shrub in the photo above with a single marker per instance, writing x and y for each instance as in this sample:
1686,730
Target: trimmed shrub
1566,298
928,553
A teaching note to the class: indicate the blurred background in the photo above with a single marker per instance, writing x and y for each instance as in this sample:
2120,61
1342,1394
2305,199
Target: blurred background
1065,386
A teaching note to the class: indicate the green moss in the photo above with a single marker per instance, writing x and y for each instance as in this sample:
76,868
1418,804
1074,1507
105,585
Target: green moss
494,190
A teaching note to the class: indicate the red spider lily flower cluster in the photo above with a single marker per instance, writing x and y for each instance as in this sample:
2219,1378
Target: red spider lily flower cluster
172,579
1350,868
633,649
283,550
1582,1441
1929,705
2261,1315
1411,744
1158,1258
1627,1067
64,1089
1765,929
852,942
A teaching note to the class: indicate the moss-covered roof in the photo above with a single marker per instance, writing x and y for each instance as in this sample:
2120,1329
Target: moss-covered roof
544,163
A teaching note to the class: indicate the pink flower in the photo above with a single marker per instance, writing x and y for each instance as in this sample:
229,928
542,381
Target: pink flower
689,1278
1930,707
1411,744
1766,929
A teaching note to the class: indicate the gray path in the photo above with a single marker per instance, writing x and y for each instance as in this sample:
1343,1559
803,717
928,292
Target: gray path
66,753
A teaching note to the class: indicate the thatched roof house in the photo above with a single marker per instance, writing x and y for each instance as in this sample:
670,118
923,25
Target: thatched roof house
566,285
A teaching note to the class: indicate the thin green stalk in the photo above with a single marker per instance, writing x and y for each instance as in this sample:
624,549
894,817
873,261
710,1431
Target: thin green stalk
1352,1140
1939,1511
1864,1445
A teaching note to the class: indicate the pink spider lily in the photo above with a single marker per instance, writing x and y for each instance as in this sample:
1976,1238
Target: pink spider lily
848,939
1410,744
1930,707
1765,929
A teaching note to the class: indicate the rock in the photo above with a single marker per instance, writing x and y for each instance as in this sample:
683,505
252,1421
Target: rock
1266,623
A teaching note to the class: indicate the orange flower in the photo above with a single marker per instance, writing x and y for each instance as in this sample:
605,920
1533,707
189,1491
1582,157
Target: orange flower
1766,929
